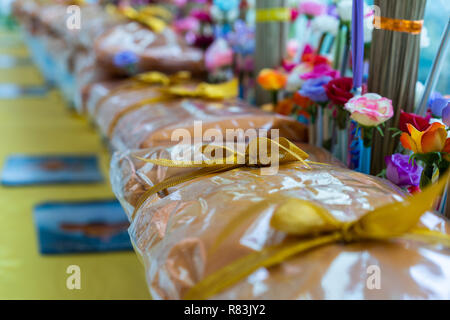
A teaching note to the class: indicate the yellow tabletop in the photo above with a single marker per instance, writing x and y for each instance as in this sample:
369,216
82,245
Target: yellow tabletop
42,125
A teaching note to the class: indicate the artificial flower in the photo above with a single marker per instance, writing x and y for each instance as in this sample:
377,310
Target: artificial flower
414,189
332,10
288,65
302,101
433,139
314,59
271,80
198,40
438,105
446,115
307,49
285,107
125,59
227,5
311,8
186,24
401,171
325,24
294,14
218,55
314,89
339,90
319,71
292,48
434,96
294,82
421,123
242,39
344,9
201,15
370,109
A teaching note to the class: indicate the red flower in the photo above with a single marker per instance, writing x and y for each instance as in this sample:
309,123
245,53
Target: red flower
420,123
301,101
339,90
294,14
414,189
314,59
201,15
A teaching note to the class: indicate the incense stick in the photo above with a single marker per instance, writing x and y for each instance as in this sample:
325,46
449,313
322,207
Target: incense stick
271,39
394,60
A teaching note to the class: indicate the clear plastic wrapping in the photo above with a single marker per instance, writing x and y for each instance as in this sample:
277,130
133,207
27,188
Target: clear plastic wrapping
165,52
155,123
131,177
173,235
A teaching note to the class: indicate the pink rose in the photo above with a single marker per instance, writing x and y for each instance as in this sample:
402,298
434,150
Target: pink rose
370,109
218,55
321,70
311,8
186,24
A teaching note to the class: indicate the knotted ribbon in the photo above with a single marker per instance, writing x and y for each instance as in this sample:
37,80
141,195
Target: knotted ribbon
153,17
202,90
144,80
308,226
260,152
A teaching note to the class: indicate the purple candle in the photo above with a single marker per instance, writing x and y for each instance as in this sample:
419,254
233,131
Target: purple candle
357,42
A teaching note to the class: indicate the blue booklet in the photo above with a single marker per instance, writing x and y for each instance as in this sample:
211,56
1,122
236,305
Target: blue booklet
22,170
75,227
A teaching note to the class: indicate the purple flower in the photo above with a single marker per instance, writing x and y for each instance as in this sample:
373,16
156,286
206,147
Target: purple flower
433,96
402,172
125,59
315,89
242,39
446,115
438,105
332,11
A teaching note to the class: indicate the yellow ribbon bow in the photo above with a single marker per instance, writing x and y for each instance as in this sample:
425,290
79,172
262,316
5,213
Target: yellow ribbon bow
259,152
143,80
153,17
203,90
309,226
219,91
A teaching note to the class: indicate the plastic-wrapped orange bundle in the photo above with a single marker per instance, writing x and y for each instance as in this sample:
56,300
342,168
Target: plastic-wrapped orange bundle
131,176
139,116
154,124
164,51
322,232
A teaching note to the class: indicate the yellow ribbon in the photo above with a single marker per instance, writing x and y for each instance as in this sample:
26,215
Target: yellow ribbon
203,90
153,17
273,15
310,226
143,80
226,90
76,2
221,159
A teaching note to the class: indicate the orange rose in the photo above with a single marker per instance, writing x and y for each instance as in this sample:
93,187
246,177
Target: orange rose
285,107
433,139
271,80
302,101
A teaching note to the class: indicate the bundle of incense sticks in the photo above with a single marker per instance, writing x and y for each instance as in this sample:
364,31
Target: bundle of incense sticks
394,60
271,37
